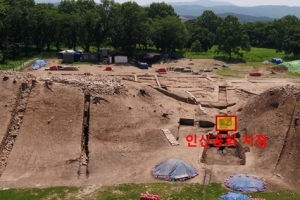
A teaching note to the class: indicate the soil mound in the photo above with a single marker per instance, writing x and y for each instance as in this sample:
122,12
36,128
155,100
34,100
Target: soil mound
279,69
275,113
125,134
43,139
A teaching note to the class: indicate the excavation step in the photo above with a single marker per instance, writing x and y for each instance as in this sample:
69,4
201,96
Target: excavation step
210,79
157,81
207,178
13,128
83,169
170,137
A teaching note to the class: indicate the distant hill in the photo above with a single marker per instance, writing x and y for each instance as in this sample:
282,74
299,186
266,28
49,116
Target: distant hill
242,18
196,8
187,18
206,3
247,18
258,11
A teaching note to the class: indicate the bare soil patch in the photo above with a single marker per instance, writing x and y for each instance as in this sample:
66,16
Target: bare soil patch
8,95
42,149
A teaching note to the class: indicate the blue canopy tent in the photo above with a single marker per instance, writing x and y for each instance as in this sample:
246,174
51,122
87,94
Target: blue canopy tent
246,183
234,196
174,170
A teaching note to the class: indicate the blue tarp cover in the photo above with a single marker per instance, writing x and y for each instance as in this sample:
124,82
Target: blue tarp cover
234,196
143,65
174,170
38,64
246,183
277,60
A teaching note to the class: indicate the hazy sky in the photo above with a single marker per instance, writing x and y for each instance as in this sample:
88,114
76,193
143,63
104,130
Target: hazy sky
236,2
264,2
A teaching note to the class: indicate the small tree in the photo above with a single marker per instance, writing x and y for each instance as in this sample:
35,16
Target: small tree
232,38
291,42
196,46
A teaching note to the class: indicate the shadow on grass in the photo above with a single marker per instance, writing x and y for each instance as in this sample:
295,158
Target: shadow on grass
289,58
139,50
178,54
229,60
32,52
293,74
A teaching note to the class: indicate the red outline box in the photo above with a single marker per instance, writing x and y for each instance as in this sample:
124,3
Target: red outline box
231,116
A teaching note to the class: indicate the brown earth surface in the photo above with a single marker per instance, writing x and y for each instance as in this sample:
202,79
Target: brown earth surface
125,139
275,113
41,150
8,95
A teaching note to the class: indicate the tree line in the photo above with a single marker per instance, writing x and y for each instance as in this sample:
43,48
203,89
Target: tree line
26,26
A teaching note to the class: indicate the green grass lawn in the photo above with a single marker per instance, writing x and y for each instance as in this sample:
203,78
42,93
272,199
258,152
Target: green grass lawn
293,74
16,65
255,65
172,191
35,194
13,64
253,58
228,72
279,195
255,55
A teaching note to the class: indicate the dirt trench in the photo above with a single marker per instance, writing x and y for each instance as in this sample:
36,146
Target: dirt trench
14,126
84,156
221,104
288,136
222,95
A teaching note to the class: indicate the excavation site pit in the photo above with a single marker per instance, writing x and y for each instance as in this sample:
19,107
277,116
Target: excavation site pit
93,126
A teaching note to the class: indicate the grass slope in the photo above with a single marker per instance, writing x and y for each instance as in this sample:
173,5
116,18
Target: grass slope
34,194
22,62
172,191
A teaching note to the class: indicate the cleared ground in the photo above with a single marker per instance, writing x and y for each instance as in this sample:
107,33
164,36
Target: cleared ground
8,96
125,138
42,149
275,114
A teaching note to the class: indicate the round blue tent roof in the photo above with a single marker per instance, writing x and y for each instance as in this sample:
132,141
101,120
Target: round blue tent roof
246,183
174,170
234,196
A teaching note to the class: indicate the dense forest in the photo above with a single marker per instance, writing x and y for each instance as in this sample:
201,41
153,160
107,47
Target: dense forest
26,26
